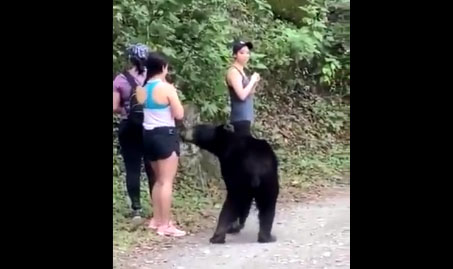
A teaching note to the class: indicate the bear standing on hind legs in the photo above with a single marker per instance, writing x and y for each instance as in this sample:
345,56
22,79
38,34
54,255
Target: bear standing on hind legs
249,169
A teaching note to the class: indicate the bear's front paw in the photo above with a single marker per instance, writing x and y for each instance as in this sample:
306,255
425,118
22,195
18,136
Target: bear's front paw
217,239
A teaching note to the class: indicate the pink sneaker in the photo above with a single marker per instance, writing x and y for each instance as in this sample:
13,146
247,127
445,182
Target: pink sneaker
170,230
153,224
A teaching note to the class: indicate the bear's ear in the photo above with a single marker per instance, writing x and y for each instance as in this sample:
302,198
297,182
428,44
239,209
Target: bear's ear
229,127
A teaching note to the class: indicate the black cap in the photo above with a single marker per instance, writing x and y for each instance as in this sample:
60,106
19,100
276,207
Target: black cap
238,45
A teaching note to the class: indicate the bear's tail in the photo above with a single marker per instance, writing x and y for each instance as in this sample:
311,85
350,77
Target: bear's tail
255,181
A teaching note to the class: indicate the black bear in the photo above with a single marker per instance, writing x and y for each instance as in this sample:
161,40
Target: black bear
249,169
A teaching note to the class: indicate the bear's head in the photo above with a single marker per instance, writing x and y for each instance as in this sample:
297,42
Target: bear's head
213,138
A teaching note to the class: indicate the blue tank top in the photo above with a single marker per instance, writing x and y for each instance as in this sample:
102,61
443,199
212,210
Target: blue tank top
149,103
155,115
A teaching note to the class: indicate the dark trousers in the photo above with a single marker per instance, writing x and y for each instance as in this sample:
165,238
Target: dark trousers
130,137
242,127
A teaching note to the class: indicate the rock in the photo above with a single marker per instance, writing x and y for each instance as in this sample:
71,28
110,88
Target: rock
202,164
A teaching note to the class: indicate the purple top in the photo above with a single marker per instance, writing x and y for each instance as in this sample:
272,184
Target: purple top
121,86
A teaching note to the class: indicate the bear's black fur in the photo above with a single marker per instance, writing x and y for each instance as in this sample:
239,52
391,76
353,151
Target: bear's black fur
249,168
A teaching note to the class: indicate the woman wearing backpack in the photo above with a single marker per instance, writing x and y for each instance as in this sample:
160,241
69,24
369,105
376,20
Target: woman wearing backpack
161,140
241,89
130,134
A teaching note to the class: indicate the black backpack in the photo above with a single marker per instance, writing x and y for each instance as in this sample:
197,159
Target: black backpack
135,115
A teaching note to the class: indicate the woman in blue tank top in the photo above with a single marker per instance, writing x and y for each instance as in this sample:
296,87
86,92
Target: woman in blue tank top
161,106
241,89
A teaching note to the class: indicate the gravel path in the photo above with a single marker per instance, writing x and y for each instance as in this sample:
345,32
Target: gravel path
313,234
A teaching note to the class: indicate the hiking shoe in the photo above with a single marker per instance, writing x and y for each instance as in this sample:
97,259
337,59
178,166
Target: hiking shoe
137,217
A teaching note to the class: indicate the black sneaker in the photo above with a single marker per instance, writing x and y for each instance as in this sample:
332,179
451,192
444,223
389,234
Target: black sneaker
137,219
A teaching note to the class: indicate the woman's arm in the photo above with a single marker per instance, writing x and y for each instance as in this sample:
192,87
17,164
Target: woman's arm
116,99
176,107
235,80
254,88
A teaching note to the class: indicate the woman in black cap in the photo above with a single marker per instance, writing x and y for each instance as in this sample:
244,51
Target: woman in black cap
241,89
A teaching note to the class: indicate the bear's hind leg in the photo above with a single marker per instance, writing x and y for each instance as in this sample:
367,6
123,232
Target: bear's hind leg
227,216
266,206
244,209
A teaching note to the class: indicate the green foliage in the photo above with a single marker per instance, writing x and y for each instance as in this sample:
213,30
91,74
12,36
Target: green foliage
285,9
197,35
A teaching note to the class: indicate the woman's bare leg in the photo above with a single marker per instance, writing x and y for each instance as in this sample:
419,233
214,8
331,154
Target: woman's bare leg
167,171
155,196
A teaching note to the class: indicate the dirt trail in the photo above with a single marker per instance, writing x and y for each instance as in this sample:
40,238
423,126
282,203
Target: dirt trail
312,234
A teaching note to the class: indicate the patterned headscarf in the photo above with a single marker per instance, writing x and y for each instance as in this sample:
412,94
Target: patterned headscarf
138,51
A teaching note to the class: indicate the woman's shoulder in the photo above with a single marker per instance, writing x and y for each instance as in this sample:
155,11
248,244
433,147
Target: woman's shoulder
120,82
235,70
232,69
164,86
119,78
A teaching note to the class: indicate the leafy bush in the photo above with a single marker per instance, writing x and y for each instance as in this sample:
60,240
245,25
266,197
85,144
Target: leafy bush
196,35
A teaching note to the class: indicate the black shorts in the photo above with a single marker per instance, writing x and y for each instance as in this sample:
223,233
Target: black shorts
160,143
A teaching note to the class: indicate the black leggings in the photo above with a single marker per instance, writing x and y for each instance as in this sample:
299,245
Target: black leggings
242,127
130,137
